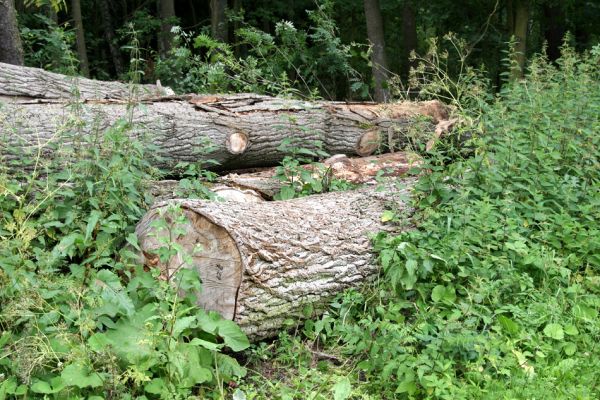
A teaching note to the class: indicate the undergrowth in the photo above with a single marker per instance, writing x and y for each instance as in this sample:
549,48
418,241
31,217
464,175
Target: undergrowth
80,318
495,293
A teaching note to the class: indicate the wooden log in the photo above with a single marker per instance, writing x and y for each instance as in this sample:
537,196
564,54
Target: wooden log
245,129
25,82
358,170
264,185
261,263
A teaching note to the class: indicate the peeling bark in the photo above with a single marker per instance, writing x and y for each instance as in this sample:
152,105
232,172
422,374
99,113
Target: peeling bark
246,129
261,263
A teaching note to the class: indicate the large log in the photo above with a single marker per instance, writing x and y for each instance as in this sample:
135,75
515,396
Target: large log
246,129
261,263
25,82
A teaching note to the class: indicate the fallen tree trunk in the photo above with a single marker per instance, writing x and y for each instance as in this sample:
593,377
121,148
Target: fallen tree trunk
245,130
261,263
25,82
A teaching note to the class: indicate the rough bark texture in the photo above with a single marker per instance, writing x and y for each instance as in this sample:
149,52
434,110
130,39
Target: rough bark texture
378,58
261,263
11,50
246,129
84,65
24,83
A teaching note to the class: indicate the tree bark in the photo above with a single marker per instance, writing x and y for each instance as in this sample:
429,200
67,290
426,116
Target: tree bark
18,82
11,49
246,129
358,171
262,263
218,20
521,25
167,15
109,34
84,65
378,58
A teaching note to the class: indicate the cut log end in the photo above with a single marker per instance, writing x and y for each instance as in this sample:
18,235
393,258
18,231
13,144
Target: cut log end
237,143
368,143
214,255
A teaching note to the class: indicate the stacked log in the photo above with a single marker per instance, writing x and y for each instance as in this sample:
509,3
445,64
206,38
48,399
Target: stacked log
246,130
261,262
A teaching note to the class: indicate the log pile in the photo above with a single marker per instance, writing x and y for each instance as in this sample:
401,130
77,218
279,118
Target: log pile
261,261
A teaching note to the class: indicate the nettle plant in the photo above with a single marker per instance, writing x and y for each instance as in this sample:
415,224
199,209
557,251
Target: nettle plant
302,173
495,294
80,317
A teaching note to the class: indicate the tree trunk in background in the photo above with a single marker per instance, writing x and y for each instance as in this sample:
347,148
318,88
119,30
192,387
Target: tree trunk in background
11,50
521,25
409,36
555,24
262,263
378,59
218,20
167,15
241,50
84,65
110,36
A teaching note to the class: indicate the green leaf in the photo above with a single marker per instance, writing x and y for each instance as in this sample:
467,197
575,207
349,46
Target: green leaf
584,312
155,386
55,385
554,331
570,348
81,376
206,344
443,294
508,325
91,225
182,324
571,330
387,215
233,336
342,389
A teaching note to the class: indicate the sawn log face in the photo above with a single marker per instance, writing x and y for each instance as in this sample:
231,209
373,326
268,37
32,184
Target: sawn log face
284,254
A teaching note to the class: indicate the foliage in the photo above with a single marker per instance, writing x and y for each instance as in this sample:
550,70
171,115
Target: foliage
49,46
305,63
80,317
299,173
495,294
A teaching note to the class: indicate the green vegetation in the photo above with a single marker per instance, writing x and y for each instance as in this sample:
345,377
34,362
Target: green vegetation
80,318
495,295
